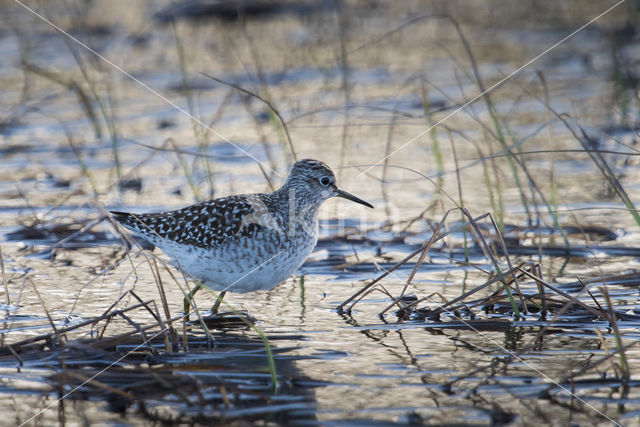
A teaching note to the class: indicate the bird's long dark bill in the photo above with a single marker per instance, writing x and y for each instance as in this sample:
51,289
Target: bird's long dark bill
353,198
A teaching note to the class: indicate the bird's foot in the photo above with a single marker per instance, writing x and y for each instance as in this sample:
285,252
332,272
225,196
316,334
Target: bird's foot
229,320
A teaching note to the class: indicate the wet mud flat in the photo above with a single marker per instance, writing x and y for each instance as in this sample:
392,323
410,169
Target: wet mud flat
511,340
495,283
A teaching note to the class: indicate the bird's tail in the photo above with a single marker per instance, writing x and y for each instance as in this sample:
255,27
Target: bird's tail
135,224
127,219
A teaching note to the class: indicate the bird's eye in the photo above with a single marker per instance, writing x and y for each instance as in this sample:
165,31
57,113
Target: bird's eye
325,180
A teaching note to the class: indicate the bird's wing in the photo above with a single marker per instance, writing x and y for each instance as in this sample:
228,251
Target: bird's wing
206,224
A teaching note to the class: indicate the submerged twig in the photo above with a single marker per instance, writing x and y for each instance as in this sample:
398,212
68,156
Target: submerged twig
432,240
77,325
564,294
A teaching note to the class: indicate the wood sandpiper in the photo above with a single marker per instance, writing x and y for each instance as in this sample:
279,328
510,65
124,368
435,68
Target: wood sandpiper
246,242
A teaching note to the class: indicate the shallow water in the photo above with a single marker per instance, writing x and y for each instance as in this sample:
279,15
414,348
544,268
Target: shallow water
351,90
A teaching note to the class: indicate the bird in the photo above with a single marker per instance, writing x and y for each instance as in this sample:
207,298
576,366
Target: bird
247,242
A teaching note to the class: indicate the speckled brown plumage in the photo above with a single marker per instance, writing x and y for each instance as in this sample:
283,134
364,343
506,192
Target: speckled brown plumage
204,225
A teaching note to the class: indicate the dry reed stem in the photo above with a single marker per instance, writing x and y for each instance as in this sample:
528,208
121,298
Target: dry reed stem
564,294
46,311
105,313
109,341
4,278
76,326
86,380
549,323
603,345
588,367
490,282
514,277
389,271
267,103
417,265
624,365
157,318
411,276
432,240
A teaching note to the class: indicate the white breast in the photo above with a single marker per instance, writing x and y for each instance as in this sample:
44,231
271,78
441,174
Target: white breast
250,264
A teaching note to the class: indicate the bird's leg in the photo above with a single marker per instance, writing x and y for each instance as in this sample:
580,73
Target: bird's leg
187,300
216,306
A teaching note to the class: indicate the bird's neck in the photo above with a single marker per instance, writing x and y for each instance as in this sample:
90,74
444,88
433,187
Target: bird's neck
301,206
